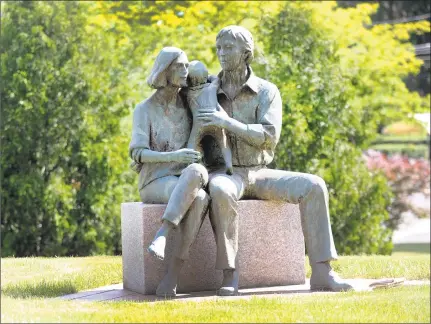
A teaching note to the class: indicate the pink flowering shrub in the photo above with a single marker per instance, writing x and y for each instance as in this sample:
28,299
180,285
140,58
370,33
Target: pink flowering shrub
405,176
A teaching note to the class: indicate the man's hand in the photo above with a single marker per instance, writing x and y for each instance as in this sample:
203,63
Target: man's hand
214,118
185,155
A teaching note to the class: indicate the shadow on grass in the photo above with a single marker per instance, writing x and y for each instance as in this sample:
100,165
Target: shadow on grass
420,248
40,289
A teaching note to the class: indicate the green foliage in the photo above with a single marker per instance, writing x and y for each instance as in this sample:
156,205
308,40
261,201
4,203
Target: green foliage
404,147
320,127
406,128
62,99
339,82
72,71
410,150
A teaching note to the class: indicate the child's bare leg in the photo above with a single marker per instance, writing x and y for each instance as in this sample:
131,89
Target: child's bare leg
225,149
193,139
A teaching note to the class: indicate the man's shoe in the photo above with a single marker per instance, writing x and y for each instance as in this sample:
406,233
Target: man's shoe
229,286
324,278
227,291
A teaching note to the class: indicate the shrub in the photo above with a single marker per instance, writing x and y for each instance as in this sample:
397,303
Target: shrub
409,150
71,71
62,100
405,128
413,144
327,117
406,176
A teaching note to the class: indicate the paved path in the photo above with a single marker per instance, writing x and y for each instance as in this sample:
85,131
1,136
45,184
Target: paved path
117,293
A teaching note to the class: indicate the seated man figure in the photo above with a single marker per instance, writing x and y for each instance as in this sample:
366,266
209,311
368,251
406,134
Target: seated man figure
252,116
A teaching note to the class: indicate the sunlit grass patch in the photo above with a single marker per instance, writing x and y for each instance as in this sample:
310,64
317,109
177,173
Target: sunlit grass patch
29,283
42,288
51,277
396,305
410,267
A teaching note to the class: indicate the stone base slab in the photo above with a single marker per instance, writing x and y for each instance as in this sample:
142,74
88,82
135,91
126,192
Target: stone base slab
114,293
271,248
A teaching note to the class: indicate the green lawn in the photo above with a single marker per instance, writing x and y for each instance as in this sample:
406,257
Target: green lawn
409,149
51,277
28,285
411,249
402,305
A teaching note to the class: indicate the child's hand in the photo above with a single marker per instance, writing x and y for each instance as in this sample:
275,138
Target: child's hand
217,118
215,82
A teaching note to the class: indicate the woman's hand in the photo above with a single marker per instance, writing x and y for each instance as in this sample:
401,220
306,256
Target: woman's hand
214,118
185,155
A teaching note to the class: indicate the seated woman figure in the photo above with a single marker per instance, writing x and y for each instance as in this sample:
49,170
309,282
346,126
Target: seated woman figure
168,170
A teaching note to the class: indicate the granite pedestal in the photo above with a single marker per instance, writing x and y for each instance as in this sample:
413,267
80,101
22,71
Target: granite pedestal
271,248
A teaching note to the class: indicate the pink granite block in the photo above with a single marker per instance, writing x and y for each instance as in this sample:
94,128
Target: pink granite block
271,248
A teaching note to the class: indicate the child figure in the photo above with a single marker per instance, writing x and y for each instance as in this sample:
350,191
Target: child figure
202,96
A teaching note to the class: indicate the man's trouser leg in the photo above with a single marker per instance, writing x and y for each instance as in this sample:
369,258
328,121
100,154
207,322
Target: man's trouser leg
312,195
225,191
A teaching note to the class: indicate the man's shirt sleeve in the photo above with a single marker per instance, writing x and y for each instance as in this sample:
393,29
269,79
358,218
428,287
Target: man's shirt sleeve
269,119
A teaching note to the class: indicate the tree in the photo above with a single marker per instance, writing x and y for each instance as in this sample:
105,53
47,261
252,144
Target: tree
337,87
72,72
400,12
61,110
